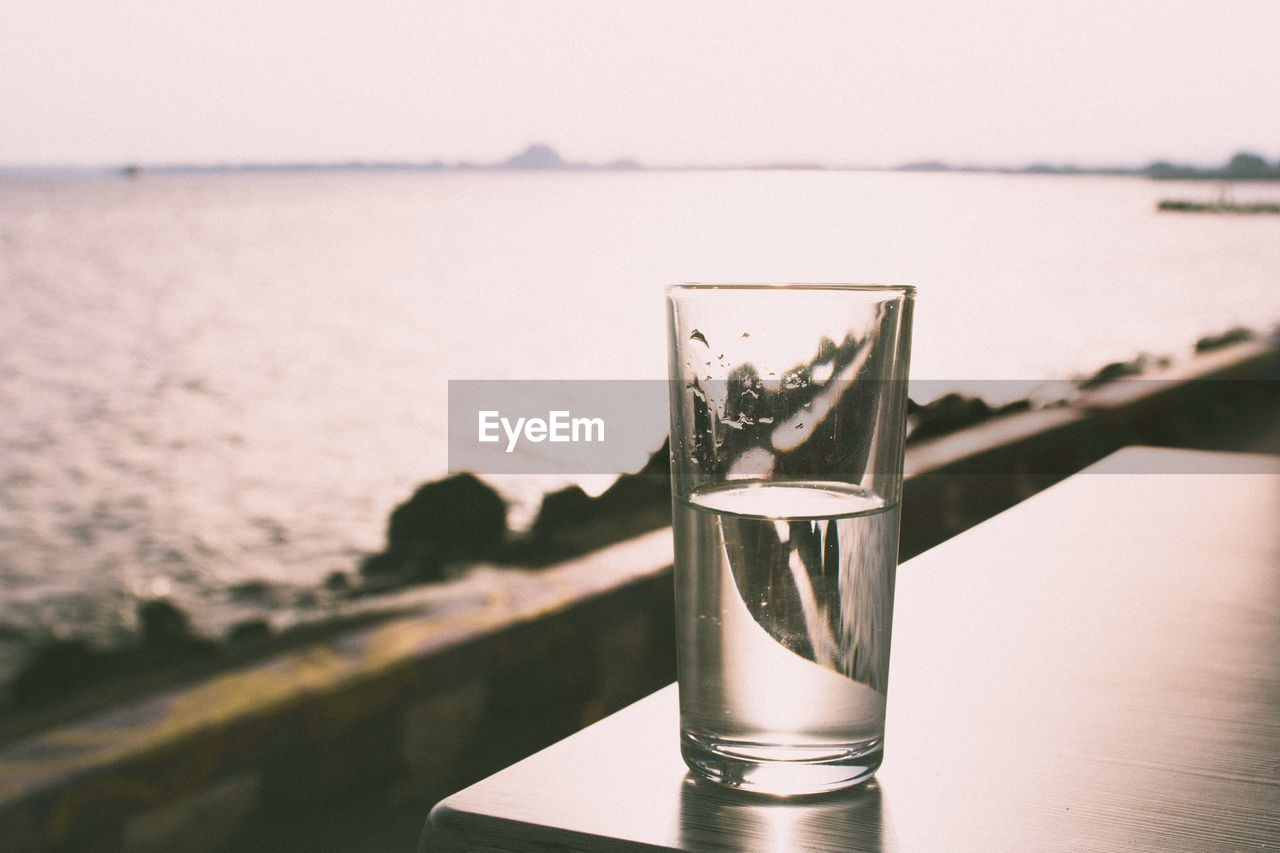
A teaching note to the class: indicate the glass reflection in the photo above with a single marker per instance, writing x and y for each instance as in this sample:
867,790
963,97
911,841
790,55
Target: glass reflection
716,818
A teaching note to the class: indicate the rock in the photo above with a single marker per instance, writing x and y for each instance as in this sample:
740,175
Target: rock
1023,405
1115,370
651,484
946,414
161,622
1233,336
446,521
459,516
63,668
570,522
55,670
251,592
166,635
248,634
560,509
390,569
337,581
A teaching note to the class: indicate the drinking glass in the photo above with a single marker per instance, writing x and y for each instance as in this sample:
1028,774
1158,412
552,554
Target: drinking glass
788,411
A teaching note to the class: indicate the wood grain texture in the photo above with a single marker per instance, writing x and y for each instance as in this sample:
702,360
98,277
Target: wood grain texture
1098,668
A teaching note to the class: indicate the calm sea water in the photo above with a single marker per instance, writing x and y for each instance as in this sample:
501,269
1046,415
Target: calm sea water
210,379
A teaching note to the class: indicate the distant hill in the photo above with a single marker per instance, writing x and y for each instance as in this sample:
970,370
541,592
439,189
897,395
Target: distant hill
1242,167
536,157
539,156
1032,169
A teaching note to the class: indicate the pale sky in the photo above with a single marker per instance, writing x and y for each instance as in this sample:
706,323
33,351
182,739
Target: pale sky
996,82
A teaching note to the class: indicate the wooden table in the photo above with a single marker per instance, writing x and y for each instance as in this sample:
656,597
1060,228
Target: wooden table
1096,669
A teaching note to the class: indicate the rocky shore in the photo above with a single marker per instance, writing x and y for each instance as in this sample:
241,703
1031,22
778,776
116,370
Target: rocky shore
444,527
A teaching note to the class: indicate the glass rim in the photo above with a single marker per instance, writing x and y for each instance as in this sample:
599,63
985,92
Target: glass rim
905,290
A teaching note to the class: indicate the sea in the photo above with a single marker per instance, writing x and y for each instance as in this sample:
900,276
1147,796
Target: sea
220,383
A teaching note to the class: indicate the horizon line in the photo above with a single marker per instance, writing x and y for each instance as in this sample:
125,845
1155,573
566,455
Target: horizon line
543,158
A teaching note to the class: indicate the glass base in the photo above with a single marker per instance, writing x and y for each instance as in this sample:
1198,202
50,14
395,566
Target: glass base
781,771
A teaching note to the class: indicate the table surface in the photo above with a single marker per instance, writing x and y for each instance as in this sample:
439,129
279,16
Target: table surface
1097,668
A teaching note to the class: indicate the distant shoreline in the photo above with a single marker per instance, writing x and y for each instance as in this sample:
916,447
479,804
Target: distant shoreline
542,158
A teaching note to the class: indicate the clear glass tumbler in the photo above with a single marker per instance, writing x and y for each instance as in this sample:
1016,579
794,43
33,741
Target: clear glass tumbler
788,411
